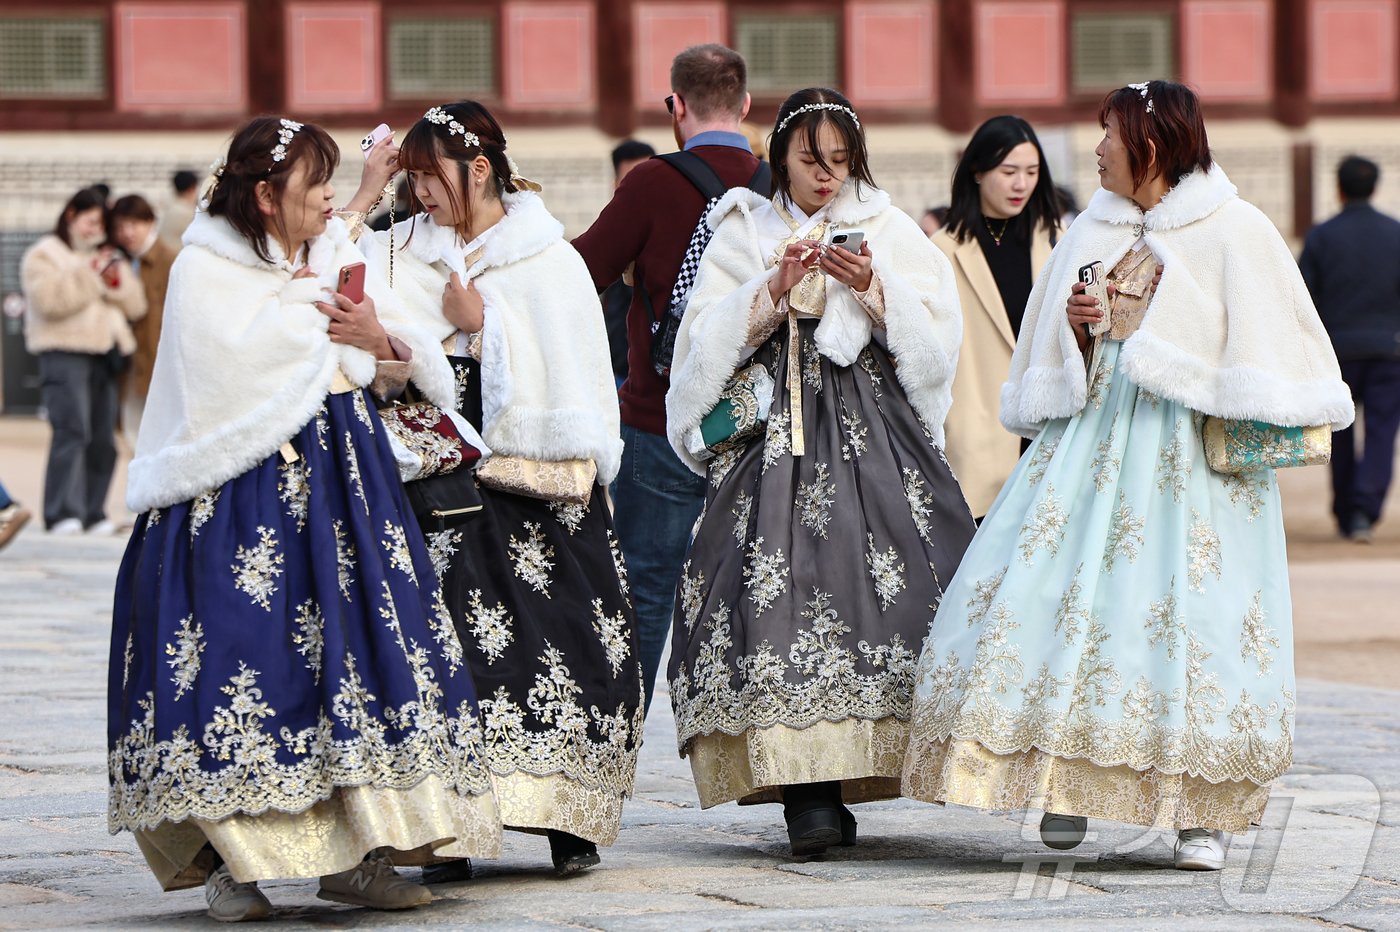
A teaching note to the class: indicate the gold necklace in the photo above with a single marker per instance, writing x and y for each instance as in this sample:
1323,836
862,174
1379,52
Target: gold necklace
996,237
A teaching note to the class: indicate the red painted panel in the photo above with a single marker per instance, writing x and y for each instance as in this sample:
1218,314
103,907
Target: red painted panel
1353,50
660,31
1227,48
333,57
549,56
890,52
173,57
1020,52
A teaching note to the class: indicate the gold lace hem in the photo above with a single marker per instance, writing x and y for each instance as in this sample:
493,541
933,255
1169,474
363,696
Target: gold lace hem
866,756
967,773
421,824
531,802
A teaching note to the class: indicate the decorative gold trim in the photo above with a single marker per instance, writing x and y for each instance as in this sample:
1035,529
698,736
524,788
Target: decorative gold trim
966,773
531,802
753,767
421,824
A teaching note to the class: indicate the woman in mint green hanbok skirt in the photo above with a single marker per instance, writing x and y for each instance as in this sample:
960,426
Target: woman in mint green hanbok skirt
1117,642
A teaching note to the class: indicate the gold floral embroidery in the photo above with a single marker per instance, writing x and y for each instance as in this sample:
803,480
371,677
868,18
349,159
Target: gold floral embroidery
997,664
1095,678
1249,488
984,593
920,499
867,363
352,461
490,626
619,563
1256,637
294,488
322,427
570,515
1045,528
853,446
128,656
692,596
258,567
1203,552
1164,622
612,632
531,558
721,465
814,501
444,632
777,442
310,636
1124,535
1105,465
185,654
202,510
1073,613
765,576
1044,454
886,571
153,517
1102,382
396,546
1174,465
344,559
442,547
811,366
742,511
361,410
1148,398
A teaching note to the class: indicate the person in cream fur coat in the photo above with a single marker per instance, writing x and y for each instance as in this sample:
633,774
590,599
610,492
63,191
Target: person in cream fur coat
535,581
287,695
1117,643
825,539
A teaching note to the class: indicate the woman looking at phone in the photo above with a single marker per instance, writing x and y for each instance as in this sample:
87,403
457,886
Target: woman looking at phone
287,696
80,299
534,580
1000,228
1117,643
825,538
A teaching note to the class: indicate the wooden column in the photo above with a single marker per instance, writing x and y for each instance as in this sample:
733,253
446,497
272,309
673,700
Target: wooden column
957,107
1292,63
1302,188
616,67
267,56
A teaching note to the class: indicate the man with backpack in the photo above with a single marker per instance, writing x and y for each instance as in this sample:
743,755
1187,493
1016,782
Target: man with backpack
654,221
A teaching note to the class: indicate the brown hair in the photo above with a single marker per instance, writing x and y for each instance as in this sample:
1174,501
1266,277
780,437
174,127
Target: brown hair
711,79
426,141
1173,127
250,161
807,125
84,200
133,207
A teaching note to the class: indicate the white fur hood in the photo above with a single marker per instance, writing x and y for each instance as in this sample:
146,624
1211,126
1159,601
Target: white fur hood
547,386
245,359
1231,330
923,322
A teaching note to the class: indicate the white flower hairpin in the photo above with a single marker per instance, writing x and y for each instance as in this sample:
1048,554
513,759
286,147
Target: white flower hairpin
285,135
808,108
441,117
1143,88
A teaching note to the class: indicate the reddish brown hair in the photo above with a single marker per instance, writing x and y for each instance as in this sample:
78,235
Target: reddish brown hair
1174,128
427,140
250,161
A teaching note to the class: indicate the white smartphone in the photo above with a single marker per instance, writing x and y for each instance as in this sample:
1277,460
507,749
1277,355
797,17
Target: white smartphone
846,239
375,137
1096,286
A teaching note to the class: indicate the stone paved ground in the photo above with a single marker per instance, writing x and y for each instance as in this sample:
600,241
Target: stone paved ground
1329,856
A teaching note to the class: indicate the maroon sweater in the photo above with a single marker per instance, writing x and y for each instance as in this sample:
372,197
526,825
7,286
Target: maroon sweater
649,221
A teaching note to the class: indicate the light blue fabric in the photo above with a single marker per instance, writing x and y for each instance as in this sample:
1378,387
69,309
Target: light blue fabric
1121,603
718,137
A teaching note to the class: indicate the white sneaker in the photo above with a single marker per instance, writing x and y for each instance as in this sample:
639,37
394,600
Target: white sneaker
1062,832
231,901
374,883
103,528
1200,849
68,527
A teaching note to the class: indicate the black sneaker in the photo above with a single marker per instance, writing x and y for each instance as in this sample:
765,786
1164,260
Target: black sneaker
571,854
454,871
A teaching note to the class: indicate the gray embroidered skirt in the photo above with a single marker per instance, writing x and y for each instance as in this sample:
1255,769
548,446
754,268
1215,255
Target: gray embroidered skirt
811,584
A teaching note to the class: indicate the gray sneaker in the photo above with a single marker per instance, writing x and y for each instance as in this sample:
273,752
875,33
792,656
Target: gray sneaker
374,883
231,901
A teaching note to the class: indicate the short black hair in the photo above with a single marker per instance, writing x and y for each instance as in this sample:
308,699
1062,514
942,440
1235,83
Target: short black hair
630,150
1357,178
183,180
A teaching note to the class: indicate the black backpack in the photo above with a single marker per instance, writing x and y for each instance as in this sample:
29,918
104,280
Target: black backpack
698,172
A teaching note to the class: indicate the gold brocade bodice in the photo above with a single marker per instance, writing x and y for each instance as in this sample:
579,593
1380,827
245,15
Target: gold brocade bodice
808,296
1132,281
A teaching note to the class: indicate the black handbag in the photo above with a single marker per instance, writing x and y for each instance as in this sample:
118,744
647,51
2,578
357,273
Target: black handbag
445,501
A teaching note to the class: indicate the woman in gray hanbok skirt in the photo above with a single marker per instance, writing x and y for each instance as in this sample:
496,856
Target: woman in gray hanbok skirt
824,544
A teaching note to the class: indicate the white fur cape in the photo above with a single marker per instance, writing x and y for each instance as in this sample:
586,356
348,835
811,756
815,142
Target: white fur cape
1231,330
245,360
923,319
546,380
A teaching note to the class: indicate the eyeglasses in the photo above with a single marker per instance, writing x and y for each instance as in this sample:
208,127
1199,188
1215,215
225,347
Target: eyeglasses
671,104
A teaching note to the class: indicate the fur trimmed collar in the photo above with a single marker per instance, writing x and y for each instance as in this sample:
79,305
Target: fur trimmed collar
527,229
854,203
218,236
1193,198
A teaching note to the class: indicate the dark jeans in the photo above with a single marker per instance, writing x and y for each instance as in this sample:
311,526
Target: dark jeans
5,500
80,393
656,500
1360,484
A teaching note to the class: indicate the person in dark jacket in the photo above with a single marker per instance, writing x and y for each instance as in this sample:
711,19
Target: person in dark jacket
648,224
617,299
1351,264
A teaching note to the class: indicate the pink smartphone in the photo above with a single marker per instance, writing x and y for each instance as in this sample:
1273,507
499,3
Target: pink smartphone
375,137
351,282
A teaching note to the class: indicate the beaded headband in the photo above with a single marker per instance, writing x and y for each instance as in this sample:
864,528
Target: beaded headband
1142,89
285,135
441,117
809,108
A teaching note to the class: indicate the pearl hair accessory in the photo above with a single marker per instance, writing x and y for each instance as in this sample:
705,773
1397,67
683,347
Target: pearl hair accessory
808,108
441,117
1142,89
285,135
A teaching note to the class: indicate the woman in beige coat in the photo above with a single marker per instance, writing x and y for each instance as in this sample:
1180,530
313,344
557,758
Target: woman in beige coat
80,300
999,231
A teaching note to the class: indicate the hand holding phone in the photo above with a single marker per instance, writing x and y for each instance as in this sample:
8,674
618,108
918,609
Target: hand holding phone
848,240
374,137
350,281
1096,286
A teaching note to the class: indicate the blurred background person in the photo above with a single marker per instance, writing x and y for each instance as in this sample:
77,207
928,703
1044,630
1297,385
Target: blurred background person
617,298
80,297
999,230
758,140
1068,203
1350,265
933,219
133,225
179,209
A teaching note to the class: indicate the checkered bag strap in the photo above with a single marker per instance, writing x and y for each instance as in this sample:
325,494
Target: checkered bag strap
690,265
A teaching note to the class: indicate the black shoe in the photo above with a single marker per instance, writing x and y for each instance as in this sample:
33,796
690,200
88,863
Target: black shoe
848,826
813,821
571,854
454,871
